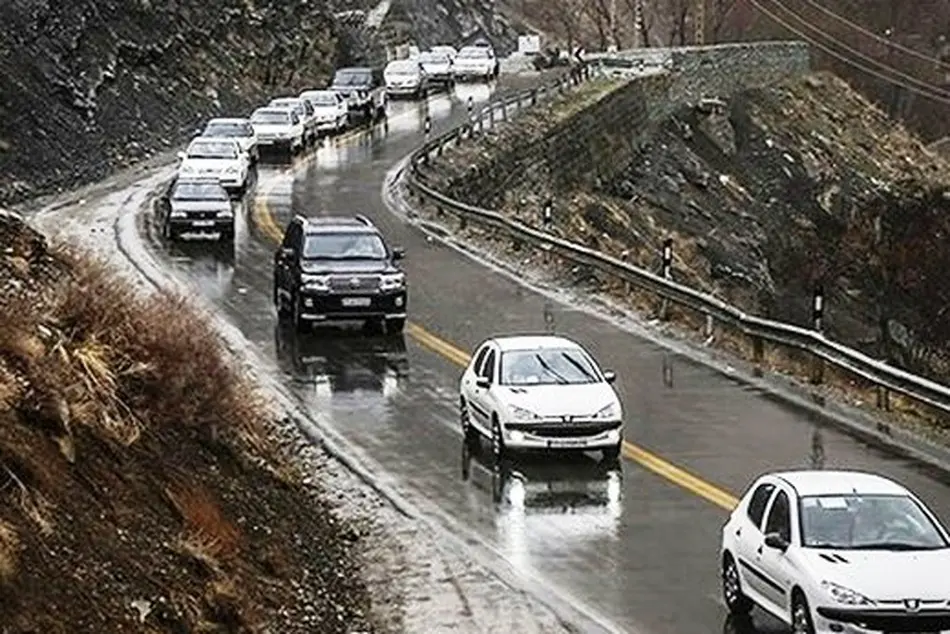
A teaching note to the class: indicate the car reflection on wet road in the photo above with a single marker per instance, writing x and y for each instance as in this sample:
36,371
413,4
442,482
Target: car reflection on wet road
342,360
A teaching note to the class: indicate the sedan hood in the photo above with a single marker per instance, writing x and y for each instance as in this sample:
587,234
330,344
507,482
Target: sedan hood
436,69
560,400
884,575
346,267
200,205
325,112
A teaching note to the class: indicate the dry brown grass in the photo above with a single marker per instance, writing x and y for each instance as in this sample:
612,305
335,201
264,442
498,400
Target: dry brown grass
9,552
208,535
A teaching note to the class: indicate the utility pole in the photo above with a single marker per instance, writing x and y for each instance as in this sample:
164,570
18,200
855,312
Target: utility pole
699,16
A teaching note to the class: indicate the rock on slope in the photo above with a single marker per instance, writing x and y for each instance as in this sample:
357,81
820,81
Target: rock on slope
91,84
801,184
139,490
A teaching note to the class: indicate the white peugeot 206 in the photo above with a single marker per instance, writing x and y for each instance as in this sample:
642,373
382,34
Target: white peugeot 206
543,392
837,552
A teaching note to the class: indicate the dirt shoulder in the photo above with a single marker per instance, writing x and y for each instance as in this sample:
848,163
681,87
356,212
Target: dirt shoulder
777,191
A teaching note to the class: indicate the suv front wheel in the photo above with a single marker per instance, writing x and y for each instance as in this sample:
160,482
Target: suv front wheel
395,326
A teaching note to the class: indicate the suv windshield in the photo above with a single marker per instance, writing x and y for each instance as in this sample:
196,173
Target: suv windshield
199,191
867,522
353,78
228,130
212,150
402,68
322,98
344,246
271,116
474,53
434,58
552,366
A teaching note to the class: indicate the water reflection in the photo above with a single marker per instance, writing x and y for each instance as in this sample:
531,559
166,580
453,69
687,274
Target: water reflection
546,503
342,360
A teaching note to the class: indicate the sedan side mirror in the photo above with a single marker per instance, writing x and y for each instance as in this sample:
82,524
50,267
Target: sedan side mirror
776,541
483,382
610,376
285,252
399,253
182,156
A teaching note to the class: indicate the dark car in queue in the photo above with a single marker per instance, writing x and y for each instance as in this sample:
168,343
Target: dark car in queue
195,205
339,269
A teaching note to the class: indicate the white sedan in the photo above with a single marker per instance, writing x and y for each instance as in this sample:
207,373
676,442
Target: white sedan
216,158
540,392
837,552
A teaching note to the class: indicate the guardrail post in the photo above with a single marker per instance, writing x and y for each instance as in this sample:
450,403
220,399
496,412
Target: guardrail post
667,273
758,355
547,214
548,318
817,316
428,125
534,96
469,107
491,116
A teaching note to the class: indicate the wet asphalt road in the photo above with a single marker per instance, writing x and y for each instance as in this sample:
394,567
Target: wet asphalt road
640,550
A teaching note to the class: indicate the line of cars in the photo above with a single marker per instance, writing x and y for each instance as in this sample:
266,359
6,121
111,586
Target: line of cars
439,68
218,165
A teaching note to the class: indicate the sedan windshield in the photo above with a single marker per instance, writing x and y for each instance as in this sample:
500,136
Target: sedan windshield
199,191
213,150
226,130
271,117
434,58
344,246
867,522
552,366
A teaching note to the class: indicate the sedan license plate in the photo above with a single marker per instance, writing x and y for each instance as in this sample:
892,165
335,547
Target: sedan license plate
202,223
567,442
352,302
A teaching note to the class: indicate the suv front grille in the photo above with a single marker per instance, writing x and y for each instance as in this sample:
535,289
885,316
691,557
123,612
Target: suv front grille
354,283
564,430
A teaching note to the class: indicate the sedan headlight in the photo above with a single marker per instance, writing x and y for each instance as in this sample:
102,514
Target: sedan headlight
520,413
392,282
610,411
188,169
315,282
231,169
225,213
845,595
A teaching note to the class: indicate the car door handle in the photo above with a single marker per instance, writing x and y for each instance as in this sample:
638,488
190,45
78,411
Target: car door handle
759,550
738,532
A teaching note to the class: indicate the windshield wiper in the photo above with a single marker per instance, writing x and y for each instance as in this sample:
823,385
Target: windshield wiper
547,368
576,364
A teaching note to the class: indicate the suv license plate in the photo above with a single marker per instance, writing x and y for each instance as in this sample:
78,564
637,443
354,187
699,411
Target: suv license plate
350,302
567,443
202,223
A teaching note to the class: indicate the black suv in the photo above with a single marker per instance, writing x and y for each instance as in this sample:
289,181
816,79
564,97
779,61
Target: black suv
339,269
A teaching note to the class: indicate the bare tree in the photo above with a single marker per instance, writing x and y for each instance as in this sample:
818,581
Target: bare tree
719,10
646,21
599,13
679,14
563,14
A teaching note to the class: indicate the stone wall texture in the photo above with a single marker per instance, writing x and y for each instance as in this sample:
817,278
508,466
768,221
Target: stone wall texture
597,140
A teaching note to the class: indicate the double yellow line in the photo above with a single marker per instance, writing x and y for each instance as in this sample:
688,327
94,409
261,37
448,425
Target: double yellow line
265,219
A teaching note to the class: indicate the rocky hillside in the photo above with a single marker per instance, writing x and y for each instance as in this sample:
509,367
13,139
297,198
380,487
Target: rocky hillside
141,487
800,184
89,85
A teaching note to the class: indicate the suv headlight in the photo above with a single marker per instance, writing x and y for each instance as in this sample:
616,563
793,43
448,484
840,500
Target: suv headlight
845,595
188,169
315,282
520,413
231,169
610,411
225,213
392,282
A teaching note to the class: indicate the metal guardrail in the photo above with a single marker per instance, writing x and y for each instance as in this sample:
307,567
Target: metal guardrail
877,372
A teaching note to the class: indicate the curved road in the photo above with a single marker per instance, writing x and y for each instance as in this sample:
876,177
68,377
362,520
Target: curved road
636,544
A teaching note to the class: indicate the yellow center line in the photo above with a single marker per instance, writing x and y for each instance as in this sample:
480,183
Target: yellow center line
267,222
